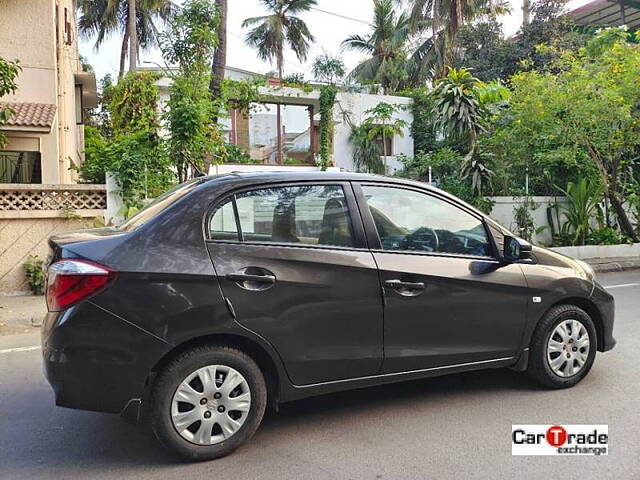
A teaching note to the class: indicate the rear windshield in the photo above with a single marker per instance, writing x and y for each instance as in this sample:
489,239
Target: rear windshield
159,204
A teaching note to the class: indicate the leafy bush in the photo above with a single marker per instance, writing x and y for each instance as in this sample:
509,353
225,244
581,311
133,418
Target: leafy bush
236,155
606,236
95,164
523,219
366,155
583,200
8,74
34,270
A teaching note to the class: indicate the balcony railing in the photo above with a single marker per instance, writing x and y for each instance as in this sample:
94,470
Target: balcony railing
49,201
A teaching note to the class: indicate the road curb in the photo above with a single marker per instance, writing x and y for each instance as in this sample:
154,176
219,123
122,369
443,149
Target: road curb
602,266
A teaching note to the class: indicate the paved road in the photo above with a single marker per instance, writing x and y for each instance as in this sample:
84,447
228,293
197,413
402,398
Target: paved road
449,427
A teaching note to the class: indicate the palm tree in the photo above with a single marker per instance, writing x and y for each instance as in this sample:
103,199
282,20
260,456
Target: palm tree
444,19
272,32
386,46
104,18
220,53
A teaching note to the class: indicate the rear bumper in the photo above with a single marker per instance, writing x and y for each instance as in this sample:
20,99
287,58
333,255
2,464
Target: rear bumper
95,360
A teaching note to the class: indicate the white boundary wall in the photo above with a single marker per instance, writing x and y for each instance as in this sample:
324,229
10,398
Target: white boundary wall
503,212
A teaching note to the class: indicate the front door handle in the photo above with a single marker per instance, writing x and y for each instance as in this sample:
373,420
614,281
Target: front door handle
407,289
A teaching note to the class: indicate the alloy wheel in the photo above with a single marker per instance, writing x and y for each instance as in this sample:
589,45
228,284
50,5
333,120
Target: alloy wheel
568,348
210,405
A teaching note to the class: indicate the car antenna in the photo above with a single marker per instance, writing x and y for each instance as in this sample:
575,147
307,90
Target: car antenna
199,173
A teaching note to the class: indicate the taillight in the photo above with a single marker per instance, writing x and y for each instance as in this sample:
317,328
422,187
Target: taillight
72,280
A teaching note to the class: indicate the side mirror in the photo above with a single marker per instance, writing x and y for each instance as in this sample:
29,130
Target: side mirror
516,249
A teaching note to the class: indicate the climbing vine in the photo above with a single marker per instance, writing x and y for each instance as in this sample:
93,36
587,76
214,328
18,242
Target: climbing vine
328,95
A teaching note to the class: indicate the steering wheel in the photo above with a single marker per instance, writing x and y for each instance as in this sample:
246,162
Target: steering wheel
424,238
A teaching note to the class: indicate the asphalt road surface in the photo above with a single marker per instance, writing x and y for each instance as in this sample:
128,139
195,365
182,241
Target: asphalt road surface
449,427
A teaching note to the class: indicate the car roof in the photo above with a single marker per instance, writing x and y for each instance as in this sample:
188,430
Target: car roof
235,180
248,178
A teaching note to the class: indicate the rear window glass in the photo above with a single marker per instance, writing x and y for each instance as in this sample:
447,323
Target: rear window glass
309,214
159,204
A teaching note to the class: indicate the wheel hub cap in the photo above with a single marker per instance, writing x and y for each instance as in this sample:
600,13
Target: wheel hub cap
210,405
568,348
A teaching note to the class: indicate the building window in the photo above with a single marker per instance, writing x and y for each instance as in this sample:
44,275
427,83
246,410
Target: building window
20,167
68,29
257,133
388,142
79,106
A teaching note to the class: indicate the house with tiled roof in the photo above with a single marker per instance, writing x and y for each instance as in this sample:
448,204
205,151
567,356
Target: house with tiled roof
45,134
38,191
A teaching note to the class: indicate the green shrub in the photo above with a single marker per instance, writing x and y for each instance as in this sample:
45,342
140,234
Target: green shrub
606,236
446,167
34,270
237,155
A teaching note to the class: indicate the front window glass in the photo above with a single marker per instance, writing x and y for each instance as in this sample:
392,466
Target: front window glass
414,221
309,214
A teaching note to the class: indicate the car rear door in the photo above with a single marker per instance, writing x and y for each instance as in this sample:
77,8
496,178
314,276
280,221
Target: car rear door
293,265
446,300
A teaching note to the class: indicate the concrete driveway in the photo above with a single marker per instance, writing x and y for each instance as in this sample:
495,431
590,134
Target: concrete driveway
448,427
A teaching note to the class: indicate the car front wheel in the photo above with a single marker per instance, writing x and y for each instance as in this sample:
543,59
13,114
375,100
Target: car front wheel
207,402
563,347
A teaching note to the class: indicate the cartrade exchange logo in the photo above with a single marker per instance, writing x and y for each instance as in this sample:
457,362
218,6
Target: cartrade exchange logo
560,440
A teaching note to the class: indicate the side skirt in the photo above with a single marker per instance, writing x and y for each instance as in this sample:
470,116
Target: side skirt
294,392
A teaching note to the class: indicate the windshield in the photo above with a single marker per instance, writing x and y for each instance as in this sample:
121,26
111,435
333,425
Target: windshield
159,204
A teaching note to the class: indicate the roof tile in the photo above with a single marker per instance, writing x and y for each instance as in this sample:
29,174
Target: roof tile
30,114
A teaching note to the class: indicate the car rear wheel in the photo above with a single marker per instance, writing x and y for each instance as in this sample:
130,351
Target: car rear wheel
207,402
563,347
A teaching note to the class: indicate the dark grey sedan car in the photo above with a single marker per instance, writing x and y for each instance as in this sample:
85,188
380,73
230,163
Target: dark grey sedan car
237,291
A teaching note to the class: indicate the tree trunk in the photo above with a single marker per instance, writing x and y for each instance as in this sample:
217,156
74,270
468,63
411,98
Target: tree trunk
123,52
133,37
220,54
278,110
384,149
526,12
623,218
435,26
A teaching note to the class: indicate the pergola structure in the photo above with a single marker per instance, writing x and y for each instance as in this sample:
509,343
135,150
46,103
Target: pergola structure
608,13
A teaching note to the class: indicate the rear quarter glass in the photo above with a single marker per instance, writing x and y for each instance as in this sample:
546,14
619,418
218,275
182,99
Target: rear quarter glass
161,203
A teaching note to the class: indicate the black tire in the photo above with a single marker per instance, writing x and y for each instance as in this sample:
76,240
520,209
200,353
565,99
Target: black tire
539,368
176,371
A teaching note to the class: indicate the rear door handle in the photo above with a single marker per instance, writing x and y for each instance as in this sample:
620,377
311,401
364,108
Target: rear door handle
254,279
245,277
407,289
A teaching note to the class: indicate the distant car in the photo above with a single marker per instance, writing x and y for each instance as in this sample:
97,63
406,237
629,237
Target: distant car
234,291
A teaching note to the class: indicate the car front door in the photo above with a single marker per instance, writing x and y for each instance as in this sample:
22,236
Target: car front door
446,301
293,263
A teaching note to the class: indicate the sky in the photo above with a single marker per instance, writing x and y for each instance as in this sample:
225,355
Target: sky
327,23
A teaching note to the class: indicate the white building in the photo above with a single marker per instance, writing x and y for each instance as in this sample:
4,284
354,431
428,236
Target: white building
256,134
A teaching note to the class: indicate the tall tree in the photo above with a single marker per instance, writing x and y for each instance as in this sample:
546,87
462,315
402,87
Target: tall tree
385,45
219,62
327,68
444,19
194,139
271,33
103,18
133,36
